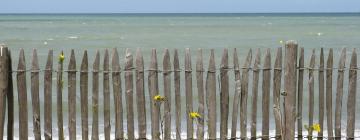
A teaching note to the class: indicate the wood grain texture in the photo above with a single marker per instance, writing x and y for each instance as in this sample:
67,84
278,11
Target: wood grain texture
177,94
129,91
351,107
339,94
224,94
84,79
59,92
211,95
153,86
276,93
321,93
290,89
167,93
140,93
117,91
95,97
4,60
35,95
244,94
329,110
72,96
10,100
311,92
300,92
201,93
48,96
106,96
22,97
255,87
236,97
266,95
188,94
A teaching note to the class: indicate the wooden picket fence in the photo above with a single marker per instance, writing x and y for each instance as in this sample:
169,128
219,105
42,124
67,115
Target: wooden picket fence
287,102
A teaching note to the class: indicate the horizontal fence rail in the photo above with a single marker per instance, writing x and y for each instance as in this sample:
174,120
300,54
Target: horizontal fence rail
215,110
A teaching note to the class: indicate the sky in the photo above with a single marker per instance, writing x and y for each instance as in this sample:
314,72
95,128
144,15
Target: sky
178,6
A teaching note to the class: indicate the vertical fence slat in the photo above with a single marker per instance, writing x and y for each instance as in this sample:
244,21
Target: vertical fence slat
350,129
188,93
119,133
22,97
290,89
4,60
48,96
255,87
106,96
276,93
224,95
10,100
211,96
95,97
329,75
339,94
139,62
321,94
154,90
177,93
300,92
59,92
167,94
200,90
244,94
311,92
84,96
236,95
266,94
35,95
72,95
129,90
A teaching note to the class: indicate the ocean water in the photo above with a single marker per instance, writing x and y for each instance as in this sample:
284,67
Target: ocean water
94,32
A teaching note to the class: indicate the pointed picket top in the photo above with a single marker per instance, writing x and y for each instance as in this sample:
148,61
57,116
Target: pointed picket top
350,128
84,62
224,59
212,67
128,60
106,60
329,100
139,60
96,61
248,59
342,59
115,61
34,61
330,59
353,60
257,60
187,60
72,61
176,60
312,60
199,61
166,61
21,64
49,62
153,63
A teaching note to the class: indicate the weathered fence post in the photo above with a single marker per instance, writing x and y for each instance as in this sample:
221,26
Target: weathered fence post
201,94
59,90
22,97
4,72
35,95
255,89
10,101
140,93
106,96
321,94
276,93
84,96
95,97
48,97
329,112
311,93
167,93
236,102
300,93
72,96
129,91
154,90
211,96
266,95
177,93
350,129
290,89
224,95
339,94
244,94
188,93
117,91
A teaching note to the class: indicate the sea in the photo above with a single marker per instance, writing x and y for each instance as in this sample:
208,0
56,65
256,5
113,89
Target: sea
243,31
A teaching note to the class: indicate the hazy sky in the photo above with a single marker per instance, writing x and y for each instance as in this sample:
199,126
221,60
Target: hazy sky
177,6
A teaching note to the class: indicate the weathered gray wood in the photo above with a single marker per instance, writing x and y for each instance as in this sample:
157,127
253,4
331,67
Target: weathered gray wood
95,97
48,96
154,90
339,94
329,112
351,111
266,95
244,94
276,93
167,94
140,93
72,96
106,96
188,94
201,94
84,96
22,97
255,87
211,96
311,92
35,95
129,90
59,92
224,95
300,92
290,89
177,94
321,94
4,60
117,90
236,102
10,101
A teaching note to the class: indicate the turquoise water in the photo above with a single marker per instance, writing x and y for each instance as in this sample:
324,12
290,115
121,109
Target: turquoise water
208,31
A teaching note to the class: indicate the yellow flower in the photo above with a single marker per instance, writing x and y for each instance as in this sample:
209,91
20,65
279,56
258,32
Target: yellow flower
61,57
159,98
316,127
194,115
